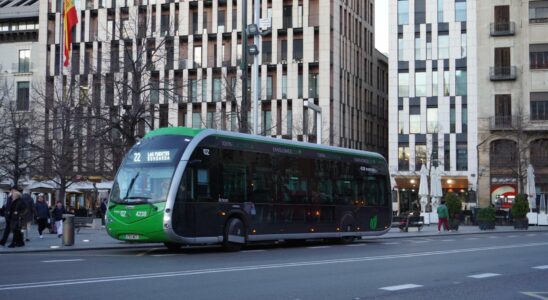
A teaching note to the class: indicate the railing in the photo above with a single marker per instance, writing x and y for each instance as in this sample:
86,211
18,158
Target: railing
502,122
22,67
503,29
503,73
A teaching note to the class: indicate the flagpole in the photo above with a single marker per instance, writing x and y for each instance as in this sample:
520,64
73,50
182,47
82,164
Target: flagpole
61,50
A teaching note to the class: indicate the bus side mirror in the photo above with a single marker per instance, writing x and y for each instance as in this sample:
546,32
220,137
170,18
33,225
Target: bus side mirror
194,162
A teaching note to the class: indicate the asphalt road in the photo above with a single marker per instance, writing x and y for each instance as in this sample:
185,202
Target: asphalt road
486,266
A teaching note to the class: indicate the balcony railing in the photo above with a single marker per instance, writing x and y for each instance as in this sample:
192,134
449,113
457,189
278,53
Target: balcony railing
503,73
502,122
539,161
503,29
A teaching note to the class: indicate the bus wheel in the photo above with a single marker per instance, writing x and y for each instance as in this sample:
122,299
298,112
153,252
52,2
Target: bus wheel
172,246
234,235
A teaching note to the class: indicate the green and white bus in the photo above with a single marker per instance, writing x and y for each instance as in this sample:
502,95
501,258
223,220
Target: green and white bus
184,186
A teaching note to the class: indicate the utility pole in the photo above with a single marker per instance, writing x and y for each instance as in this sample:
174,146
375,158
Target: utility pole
245,101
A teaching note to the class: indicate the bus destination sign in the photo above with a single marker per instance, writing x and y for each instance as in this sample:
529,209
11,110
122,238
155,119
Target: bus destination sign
152,156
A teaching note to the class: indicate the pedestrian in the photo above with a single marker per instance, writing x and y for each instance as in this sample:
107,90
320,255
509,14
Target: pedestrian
6,213
103,210
29,214
57,214
17,219
42,214
443,214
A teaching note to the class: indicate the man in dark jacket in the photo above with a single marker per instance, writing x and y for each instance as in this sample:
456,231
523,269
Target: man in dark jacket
42,214
6,210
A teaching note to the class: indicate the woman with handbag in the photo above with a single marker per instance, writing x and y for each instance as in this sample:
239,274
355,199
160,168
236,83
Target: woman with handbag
57,214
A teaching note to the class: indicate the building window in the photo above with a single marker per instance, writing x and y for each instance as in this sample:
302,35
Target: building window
432,120
401,120
193,90
452,118
440,11
403,12
539,106
284,86
447,156
288,16
420,156
266,53
461,83
23,95
538,56
196,120
443,46
204,89
267,122
414,119
24,61
460,11
463,45
289,121
401,49
298,50
419,54
197,56
464,117
434,83
538,11
217,91
420,84
403,157
462,157
446,82
221,16
300,86
210,119
313,85
403,85
269,87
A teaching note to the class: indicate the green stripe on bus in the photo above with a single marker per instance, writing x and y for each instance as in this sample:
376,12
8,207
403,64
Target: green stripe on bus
192,132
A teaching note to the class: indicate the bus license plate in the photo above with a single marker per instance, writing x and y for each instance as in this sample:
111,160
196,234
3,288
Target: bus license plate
132,236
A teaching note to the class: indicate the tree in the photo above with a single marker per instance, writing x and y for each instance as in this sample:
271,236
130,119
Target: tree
18,155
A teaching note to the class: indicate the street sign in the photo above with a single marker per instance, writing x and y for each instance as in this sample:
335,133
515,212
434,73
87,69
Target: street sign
265,23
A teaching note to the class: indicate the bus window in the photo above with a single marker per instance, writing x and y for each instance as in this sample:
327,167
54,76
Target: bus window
234,183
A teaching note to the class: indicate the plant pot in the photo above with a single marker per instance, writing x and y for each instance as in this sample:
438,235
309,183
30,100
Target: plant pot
486,225
522,223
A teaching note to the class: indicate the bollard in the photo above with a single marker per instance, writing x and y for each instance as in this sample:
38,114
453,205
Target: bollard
68,230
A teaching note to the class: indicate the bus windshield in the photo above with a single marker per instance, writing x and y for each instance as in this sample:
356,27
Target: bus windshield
147,171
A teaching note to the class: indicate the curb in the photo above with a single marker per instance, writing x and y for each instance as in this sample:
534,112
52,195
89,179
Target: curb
365,238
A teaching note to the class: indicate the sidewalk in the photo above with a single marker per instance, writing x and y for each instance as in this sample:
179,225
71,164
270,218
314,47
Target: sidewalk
91,239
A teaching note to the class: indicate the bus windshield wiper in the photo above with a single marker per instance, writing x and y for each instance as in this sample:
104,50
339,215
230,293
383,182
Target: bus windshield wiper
131,183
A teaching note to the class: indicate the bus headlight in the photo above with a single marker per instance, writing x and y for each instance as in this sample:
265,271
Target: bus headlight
167,218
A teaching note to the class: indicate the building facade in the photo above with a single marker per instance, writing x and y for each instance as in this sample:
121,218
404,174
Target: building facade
513,94
320,52
20,69
433,101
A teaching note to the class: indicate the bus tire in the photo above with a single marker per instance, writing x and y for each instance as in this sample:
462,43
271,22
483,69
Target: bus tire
234,235
347,239
173,246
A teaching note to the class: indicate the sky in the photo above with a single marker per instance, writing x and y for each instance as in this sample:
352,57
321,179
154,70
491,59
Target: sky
381,25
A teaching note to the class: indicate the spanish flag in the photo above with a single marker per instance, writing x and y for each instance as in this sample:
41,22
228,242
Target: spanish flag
70,19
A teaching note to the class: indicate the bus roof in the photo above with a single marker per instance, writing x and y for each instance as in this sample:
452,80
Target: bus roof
193,132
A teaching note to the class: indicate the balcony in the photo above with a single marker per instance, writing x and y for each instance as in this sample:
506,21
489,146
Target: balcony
503,122
503,29
503,73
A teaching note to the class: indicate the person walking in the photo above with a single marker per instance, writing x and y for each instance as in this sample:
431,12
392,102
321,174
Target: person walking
17,217
443,214
42,214
6,213
57,214
29,214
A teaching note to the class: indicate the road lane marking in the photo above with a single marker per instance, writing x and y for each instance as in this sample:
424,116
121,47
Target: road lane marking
541,267
400,287
537,295
484,275
532,234
62,260
319,247
253,251
148,276
148,251
356,245
447,240
420,241
471,239
162,255
512,236
391,243
493,237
